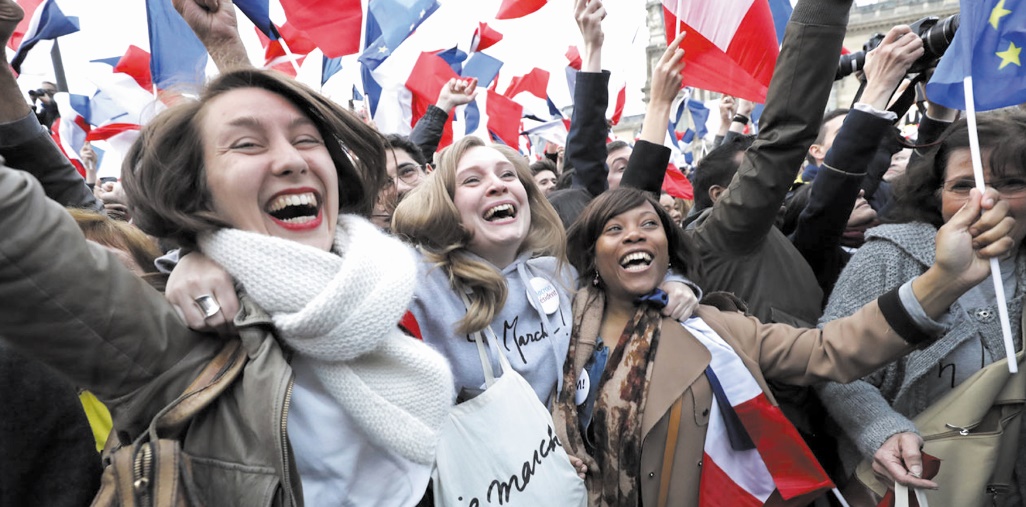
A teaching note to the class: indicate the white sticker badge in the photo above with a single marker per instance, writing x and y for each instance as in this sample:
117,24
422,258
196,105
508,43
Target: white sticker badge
547,295
583,388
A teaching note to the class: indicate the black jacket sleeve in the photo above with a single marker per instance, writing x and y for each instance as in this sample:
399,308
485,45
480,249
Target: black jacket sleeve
586,141
26,145
834,190
427,133
647,167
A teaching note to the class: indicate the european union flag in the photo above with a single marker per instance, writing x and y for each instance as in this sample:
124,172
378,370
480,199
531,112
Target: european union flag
987,46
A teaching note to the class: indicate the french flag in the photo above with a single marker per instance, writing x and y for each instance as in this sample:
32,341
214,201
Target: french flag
70,131
731,45
119,137
47,22
751,452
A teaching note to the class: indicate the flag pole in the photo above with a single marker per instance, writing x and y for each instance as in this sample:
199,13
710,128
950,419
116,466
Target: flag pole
995,268
58,67
289,55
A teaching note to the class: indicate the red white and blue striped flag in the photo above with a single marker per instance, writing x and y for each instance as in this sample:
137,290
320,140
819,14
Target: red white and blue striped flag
731,45
46,22
751,449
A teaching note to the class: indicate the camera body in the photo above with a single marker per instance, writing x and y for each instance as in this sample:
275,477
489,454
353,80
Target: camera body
935,33
35,94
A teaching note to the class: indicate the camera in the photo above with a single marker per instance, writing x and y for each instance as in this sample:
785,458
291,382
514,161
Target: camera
936,35
38,93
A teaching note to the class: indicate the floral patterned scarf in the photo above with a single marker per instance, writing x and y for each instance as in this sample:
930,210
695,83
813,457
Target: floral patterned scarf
615,461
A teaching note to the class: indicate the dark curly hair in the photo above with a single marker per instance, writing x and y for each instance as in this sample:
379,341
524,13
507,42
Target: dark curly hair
917,193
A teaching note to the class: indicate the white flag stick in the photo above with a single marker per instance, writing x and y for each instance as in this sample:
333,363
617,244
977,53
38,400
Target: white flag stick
289,55
995,269
837,495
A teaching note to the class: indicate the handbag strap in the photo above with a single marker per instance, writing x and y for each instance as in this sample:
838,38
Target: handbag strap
486,364
901,496
215,377
671,448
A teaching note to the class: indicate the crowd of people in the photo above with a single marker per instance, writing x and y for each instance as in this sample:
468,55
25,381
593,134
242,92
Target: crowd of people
358,281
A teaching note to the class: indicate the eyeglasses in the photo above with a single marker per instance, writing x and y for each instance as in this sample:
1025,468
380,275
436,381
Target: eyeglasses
409,173
1007,187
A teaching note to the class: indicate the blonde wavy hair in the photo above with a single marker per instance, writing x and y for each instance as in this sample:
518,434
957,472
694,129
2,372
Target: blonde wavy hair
428,218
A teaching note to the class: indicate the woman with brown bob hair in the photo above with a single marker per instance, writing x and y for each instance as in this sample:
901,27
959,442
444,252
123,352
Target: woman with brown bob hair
332,402
655,407
166,175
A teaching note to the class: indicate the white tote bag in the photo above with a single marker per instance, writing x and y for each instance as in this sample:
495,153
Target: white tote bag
500,448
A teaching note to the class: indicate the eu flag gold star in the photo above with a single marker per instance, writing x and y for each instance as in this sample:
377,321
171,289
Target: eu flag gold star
997,13
1010,55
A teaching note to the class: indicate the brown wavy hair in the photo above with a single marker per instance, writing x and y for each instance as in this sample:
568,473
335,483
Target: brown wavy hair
164,175
428,218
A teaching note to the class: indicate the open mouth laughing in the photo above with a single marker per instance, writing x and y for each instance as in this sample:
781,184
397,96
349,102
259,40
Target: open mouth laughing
636,261
295,210
501,212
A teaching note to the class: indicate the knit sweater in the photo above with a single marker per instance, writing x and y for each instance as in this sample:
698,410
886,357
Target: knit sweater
870,410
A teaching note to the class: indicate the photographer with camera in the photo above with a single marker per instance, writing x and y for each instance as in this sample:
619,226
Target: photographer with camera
838,213
43,104
936,35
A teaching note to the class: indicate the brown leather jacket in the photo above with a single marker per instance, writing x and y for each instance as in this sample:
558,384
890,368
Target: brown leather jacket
74,306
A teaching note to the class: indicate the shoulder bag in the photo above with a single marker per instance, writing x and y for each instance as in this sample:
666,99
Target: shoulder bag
974,430
153,471
500,447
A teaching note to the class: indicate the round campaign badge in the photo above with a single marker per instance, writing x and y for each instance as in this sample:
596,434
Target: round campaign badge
547,295
583,387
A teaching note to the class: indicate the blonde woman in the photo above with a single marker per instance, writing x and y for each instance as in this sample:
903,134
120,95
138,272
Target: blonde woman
482,224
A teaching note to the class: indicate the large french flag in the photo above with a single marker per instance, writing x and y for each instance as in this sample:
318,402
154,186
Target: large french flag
731,45
751,449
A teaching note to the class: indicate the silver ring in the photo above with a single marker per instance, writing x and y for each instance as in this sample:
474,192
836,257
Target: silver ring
208,305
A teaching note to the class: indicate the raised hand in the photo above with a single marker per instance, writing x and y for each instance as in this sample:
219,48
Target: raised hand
979,231
589,15
666,83
215,24
887,64
457,92
666,75
10,15
728,108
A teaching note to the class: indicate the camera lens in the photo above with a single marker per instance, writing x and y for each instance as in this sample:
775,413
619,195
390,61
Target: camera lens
850,63
937,39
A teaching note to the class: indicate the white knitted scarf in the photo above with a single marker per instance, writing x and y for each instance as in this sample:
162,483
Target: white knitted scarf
340,310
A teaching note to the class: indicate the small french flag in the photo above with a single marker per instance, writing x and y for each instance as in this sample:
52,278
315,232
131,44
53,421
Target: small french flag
46,22
751,449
